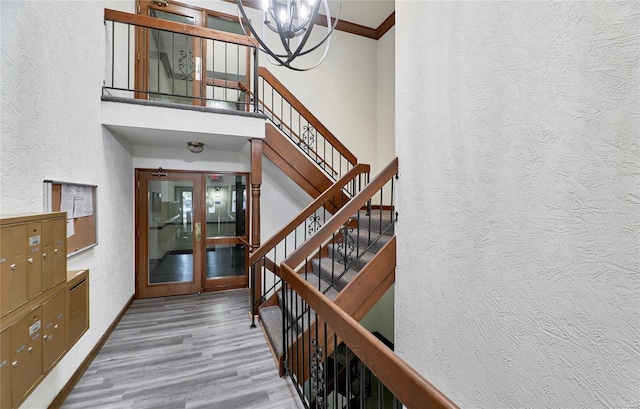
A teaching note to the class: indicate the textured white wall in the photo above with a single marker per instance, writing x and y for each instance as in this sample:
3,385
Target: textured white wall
518,130
52,71
386,92
381,317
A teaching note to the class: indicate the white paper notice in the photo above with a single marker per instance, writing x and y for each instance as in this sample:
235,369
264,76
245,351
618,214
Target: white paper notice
67,200
70,227
83,201
67,196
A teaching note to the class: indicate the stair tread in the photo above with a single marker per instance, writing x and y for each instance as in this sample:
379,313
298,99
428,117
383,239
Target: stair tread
295,305
271,318
329,269
378,221
373,239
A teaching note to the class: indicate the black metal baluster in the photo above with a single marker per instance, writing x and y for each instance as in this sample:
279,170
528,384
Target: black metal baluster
392,208
238,71
255,80
335,370
381,210
380,395
348,377
113,44
362,395
226,71
128,56
253,295
285,319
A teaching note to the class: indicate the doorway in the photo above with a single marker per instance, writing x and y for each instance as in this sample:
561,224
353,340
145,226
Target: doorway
191,232
170,69
187,69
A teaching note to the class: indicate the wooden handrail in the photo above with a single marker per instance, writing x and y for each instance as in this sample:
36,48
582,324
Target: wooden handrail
298,106
411,388
327,195
326,164
337,221
151,22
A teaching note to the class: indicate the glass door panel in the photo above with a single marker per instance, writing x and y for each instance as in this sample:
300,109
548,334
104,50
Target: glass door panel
170,239
225,260
169,243
226,205
226,215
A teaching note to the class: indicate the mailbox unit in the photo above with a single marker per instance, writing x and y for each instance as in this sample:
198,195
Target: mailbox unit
44,309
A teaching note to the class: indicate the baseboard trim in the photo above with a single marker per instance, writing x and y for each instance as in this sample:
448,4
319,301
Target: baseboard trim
75,378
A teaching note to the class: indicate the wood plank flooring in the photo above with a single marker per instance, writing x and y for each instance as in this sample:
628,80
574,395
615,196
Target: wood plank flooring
193,351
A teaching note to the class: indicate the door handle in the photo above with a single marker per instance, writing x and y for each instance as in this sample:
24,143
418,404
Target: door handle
198,231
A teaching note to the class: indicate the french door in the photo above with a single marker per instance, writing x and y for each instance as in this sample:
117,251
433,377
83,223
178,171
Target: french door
191,232
171,63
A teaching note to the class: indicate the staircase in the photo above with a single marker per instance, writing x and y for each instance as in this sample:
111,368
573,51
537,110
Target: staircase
297,142
334,270
351,261
352,268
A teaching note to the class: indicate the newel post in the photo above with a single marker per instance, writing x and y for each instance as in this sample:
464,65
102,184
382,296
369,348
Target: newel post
256,182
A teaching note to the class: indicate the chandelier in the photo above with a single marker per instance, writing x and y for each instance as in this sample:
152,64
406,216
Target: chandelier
286,28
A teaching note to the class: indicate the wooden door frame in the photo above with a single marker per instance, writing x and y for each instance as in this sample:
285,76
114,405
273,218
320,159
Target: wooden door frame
142,48
142,61
199,262
142,289
216,284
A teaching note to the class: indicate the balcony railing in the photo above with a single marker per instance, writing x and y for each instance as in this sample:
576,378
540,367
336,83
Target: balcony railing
302,127
158,60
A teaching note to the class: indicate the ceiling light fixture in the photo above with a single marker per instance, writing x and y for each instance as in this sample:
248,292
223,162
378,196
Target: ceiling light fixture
292,21
195,147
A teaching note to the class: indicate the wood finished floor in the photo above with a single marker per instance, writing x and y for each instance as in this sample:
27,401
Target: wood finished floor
193,351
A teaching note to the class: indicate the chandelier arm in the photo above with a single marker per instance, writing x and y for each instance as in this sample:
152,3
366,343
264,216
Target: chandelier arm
261,45
312,22
329,32
286,59
280,31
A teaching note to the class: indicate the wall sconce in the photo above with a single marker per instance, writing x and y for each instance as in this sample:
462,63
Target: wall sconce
195,147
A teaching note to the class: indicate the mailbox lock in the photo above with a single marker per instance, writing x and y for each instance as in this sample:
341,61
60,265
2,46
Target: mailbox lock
30,260
44,255
13,266
14,364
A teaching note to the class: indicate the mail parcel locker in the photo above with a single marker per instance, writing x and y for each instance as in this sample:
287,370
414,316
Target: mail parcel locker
26,354
13,267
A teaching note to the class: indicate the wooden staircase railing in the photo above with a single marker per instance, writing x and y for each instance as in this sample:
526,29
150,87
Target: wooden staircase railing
305,224
304,132
407,385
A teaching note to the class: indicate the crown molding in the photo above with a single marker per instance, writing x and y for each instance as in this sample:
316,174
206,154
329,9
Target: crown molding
386,25
343,25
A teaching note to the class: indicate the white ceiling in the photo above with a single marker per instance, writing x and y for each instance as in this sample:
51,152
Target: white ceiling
369,13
